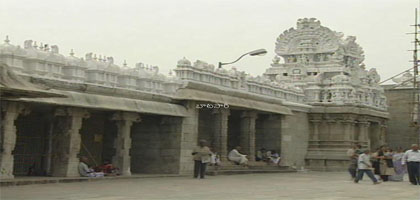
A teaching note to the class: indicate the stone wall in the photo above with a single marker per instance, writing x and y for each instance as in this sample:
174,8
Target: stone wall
294,140
268,132
400,132
155,145
206,126
145,149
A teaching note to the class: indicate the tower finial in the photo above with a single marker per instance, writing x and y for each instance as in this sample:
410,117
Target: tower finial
7,39
35,45
125,63
71,52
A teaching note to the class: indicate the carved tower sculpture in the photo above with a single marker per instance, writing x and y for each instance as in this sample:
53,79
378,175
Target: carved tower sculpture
349,106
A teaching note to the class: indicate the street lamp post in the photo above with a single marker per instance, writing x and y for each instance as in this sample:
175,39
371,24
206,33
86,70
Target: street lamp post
258,52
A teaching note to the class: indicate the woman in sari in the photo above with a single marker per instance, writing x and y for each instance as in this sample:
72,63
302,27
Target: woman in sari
400,170
386,166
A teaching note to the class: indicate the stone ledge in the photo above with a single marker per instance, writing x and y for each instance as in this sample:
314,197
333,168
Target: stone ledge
45,180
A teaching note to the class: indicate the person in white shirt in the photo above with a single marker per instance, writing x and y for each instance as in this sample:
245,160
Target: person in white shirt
85,171
202,156
237,157
353,155
365,166
412,159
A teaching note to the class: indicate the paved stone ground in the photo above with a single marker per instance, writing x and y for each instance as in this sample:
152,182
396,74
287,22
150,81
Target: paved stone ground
312,185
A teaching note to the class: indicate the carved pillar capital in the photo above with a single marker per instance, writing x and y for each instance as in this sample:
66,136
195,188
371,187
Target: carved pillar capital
126,116
224,112
315,121
249,114
330,121
364,123
72,112
15,109
274,117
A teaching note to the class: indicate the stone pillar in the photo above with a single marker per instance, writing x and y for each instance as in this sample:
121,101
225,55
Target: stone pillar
247,138
315,126
122,143
68,140
11,111
348,130
221,117
382,133
364,133
286,141
330,128
188,137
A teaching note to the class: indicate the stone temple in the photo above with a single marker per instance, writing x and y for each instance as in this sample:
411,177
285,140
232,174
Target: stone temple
313,103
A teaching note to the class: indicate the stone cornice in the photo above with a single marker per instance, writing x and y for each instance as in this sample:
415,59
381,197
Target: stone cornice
349,110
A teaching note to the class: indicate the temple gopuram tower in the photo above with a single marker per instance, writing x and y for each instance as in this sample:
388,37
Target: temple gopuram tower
348,105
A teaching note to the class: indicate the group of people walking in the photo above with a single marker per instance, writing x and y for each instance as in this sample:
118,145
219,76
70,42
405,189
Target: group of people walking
385,164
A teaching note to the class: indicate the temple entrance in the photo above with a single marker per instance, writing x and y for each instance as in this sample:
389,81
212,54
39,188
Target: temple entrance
32,153
98,133
206,127
234,129
268,133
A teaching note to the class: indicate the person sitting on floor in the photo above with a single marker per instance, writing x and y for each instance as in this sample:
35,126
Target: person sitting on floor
261,155
275,157
267,157
215,159
237,157
108,169
85,171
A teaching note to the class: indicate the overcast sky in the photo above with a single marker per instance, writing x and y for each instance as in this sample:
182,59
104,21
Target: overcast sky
160,32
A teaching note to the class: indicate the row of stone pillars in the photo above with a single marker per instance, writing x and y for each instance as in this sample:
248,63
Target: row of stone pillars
68,143
355,131
247,131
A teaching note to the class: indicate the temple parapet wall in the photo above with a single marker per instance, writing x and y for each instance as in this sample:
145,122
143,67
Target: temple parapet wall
45,62
238,80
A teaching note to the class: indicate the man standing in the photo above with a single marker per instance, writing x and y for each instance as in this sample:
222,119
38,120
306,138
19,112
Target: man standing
201,156
365,166
412,158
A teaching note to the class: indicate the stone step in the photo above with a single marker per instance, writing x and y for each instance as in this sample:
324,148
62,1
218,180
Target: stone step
228,169
248,171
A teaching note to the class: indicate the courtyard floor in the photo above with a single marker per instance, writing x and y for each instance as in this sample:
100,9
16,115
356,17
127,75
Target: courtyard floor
312,185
